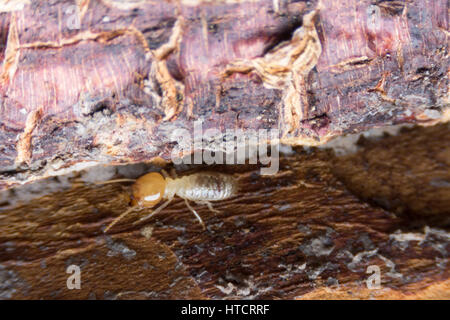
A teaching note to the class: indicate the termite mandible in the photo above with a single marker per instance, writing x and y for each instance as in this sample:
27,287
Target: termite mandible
201,188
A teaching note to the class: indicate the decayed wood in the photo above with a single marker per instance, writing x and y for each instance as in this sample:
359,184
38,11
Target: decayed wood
109,81
309,231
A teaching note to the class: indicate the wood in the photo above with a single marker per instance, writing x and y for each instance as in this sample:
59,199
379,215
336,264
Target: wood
109,81
308,232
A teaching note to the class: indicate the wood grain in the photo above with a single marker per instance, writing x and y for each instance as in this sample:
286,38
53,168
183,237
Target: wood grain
308,232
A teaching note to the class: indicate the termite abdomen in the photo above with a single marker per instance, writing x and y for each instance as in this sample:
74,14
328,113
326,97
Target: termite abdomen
204,186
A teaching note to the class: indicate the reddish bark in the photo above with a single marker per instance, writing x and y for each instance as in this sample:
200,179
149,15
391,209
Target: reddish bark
114,89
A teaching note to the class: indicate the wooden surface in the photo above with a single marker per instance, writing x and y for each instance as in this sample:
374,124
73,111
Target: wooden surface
308,232
109,81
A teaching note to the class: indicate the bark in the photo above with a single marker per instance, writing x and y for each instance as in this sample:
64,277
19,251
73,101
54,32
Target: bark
109,81
309,232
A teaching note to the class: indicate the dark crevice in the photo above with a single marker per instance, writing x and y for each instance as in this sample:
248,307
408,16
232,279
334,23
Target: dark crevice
285,34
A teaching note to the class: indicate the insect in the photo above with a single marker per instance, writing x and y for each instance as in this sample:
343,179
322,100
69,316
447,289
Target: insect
201,188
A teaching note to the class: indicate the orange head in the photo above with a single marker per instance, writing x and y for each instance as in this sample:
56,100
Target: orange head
149,189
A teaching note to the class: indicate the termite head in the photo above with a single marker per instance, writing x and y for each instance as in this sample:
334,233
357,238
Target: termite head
149,190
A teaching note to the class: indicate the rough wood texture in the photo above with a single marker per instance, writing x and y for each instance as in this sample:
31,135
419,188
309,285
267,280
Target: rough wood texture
298,234
109,81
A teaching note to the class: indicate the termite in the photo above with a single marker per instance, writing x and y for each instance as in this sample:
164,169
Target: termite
201,188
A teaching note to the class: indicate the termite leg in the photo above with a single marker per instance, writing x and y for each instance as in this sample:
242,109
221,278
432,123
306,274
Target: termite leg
164,173
119,218
195,213
210,207
165,204
173,173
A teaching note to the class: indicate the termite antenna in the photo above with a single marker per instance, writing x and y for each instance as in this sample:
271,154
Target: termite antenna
115,181
119,218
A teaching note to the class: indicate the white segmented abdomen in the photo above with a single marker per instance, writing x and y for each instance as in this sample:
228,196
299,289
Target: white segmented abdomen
209,186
